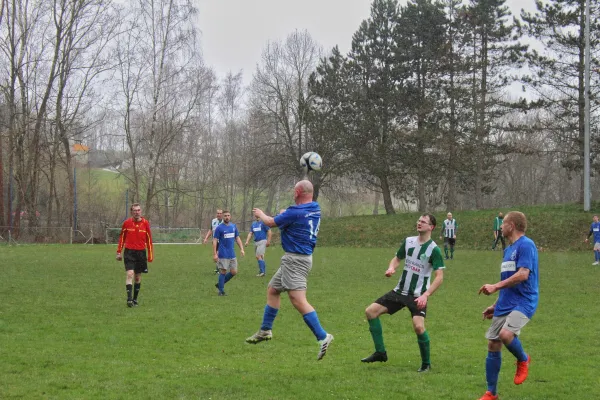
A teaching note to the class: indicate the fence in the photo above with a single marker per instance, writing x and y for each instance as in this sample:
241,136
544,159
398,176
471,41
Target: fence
47,235
99,234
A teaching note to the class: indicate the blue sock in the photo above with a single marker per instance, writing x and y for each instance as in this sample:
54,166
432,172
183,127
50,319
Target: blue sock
493,362
268,318
597,254
516,349
228,277
221,282
312,320
261,266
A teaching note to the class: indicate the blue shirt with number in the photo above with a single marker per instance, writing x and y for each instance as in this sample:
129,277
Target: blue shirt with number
595,230
299,226
524,296
259,231
226,234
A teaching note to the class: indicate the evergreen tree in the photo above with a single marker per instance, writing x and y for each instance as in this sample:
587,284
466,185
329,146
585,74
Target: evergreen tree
494,54
378,86
557,76
424,52
329,116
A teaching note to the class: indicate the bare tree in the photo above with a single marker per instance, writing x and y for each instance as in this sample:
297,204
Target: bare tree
280,93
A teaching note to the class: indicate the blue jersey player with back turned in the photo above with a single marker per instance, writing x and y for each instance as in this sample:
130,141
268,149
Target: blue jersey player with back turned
299,226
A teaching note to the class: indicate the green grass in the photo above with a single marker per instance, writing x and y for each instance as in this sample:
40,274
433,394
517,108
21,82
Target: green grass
65,332
555,228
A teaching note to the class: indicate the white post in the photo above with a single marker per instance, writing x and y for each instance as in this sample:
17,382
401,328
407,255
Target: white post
586,139
71,236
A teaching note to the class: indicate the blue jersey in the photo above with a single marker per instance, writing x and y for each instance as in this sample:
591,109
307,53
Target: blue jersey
299,226
259,231
524,296
595,230
226,234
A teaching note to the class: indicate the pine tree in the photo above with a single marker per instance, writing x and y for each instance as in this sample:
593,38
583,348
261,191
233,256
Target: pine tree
557,76
378,87
495,53
424,52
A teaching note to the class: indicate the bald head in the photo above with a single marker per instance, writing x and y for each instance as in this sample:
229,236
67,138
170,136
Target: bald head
304,186
303,192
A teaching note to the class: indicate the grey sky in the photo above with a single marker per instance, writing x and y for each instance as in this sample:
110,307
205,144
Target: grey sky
234,32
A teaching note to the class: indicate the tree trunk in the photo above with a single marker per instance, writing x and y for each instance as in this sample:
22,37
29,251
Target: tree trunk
387,196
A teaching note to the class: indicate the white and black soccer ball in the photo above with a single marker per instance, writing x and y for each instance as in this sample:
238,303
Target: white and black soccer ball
311,161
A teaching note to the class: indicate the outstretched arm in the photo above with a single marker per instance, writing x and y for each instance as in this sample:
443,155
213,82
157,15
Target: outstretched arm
267,220
521,276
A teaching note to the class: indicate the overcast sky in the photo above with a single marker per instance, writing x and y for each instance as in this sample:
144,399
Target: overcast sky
234,32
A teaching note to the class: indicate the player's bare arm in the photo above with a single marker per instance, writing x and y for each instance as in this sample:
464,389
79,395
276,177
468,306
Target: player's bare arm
392,267
267,220
269,236
488,313
215,255
521,275
239,242
248,238
207,236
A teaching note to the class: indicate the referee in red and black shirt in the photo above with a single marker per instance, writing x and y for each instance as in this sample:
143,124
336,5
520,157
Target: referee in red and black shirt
135,237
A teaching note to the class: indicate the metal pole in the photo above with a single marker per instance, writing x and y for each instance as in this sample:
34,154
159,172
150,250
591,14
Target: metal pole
75,198
586,145
10,198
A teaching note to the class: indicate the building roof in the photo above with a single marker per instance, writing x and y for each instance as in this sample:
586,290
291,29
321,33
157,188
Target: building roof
78,148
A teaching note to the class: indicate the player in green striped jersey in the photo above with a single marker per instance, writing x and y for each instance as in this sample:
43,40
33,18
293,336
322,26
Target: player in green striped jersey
449,228
422,256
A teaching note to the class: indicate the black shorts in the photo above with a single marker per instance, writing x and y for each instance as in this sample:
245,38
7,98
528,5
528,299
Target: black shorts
450,241
135,260
395,302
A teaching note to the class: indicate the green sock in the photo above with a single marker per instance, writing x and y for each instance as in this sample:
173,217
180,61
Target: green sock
451,251
446,251
377,334
423,341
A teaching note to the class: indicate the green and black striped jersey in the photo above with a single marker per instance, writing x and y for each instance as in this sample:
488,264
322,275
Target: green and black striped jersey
420,261
449,228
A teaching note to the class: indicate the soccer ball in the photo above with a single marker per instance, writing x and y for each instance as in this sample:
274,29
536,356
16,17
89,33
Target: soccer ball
311,161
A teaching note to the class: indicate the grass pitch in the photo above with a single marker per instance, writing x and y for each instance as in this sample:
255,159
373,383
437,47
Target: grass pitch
66,333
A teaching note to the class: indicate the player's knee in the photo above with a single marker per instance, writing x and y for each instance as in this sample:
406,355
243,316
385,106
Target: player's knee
233,272
371,312
419,329
506,336
494,345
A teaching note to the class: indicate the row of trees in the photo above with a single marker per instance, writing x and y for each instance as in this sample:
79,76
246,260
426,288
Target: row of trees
423,110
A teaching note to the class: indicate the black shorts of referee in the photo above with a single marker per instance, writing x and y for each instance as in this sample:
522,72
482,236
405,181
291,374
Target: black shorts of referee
136,261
